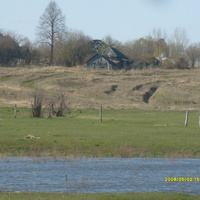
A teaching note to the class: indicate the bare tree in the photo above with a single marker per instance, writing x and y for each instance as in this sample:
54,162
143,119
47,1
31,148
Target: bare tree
72,49
140,50
193,53
51,24
178,43
57,106
109,41
159,39
37,104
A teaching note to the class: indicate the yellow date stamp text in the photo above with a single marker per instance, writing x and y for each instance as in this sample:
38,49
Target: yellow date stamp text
182,179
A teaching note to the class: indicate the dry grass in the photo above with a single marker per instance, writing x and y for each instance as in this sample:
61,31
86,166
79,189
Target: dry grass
176,89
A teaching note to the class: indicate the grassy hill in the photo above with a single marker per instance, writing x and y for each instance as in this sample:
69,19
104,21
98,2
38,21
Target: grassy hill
142,89
140,129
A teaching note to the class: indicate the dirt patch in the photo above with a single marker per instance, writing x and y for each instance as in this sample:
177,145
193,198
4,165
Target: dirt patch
147,95
137,87
112,89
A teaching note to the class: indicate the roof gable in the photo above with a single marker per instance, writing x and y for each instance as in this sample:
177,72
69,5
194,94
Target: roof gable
113,52
109,58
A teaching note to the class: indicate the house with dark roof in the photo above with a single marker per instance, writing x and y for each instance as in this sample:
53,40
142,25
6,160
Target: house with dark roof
110,58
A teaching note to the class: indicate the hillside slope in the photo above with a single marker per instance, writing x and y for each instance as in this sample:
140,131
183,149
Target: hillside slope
145,89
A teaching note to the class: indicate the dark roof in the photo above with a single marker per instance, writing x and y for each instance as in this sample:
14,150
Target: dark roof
112,56
96,56
113,52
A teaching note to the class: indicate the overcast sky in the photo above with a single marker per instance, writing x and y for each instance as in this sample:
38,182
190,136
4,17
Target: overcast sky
124,20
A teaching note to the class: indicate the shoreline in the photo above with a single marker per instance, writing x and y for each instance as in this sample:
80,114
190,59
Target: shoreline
109,196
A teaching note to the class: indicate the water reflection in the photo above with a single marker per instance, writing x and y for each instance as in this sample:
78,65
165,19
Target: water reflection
107,175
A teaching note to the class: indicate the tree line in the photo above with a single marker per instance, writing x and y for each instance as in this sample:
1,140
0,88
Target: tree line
56,45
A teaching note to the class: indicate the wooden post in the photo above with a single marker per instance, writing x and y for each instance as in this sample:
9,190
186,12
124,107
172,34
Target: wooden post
100,113
186,118
199,118
15,111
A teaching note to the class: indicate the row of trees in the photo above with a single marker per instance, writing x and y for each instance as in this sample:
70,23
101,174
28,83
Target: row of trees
58,46
173,52
69,49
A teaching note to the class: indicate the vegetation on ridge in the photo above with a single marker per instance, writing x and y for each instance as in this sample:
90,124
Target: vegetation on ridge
82,88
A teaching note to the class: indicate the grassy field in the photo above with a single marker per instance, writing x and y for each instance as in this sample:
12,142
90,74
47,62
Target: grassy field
137,89
127,196
123,133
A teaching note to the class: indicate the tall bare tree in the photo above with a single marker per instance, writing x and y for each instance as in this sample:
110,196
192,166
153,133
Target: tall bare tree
178,42
51,24
193,53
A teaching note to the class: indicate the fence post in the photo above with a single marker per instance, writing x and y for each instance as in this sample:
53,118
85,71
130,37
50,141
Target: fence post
15,111
186,118
199,118
100,113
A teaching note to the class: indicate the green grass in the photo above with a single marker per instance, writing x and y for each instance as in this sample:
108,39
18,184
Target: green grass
28,84
5,78
123,133
127,196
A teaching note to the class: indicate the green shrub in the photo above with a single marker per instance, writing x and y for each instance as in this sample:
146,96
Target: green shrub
179,63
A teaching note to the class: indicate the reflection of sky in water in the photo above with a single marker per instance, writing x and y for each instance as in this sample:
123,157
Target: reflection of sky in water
108,175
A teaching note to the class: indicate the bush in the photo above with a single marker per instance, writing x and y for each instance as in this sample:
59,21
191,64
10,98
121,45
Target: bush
173,63
37,105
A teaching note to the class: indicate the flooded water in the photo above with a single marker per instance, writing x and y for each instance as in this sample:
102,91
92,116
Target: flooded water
107,175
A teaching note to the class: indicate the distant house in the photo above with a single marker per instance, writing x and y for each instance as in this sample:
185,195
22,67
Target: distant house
97,44
110,58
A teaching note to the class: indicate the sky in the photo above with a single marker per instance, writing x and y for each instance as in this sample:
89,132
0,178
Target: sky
123,20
